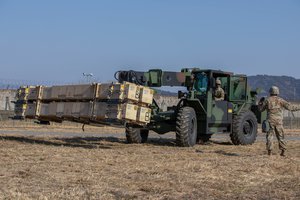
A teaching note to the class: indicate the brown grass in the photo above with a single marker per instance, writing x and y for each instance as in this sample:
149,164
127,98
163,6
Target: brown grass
108,168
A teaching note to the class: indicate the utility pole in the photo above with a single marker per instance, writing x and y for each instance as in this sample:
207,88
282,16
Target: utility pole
7,104
88,77
292,116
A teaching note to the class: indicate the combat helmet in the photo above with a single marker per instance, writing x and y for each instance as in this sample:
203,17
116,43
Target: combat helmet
274,90
218,82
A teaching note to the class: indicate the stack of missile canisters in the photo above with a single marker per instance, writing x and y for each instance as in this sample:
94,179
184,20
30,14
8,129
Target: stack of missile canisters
97,103
21,101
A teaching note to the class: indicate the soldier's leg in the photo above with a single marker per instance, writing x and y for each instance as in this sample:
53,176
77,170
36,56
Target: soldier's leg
280,137
269,138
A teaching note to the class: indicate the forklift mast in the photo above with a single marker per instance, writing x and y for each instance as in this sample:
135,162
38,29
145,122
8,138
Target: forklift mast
154,77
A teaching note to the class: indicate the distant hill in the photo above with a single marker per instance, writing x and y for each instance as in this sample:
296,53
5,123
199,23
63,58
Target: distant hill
289,86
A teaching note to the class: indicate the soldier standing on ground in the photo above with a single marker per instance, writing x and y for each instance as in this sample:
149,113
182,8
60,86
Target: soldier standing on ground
219,92
274,106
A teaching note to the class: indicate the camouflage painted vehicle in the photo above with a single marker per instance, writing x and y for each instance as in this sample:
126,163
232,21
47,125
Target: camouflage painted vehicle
197,115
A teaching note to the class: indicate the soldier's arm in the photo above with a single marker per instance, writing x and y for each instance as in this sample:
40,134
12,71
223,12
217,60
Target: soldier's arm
217,98
222,94
289,106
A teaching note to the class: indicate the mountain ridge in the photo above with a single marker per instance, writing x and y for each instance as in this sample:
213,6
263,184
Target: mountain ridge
289,86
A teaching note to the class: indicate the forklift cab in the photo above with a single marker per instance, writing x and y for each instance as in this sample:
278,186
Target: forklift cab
234,86
205,82
218,116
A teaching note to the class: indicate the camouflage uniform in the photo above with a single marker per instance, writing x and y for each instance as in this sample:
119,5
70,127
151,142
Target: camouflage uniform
274,106
219,92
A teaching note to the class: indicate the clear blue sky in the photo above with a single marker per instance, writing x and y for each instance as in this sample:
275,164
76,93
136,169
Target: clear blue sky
59,40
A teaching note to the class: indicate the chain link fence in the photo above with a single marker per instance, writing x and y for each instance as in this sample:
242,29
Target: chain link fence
291,123
291,120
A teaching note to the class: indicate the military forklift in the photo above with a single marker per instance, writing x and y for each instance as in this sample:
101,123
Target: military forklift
198,116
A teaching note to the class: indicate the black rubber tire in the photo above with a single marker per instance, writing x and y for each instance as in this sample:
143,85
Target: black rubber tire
203,139
244,128
136,135
186,127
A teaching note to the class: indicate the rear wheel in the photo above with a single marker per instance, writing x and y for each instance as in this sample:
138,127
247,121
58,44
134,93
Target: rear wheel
136,135
244,128
186,127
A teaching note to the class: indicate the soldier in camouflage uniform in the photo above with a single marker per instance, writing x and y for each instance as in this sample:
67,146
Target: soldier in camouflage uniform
274,106
219,92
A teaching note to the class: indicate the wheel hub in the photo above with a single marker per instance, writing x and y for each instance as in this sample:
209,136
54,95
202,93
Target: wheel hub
247,128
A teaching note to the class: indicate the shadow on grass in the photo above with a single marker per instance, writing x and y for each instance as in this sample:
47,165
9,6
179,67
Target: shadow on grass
161,142
222,142
226,153
85,142
95,142
172,142
81,142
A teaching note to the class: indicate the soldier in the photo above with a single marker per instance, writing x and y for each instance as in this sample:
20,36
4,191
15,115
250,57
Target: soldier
219,92
274,106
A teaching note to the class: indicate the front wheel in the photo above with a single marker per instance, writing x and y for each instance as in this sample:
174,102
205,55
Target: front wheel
244,128
136,135
186,127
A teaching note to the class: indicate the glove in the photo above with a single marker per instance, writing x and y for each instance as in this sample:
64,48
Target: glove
262,100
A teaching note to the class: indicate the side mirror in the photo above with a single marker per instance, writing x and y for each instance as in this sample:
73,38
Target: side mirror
181,94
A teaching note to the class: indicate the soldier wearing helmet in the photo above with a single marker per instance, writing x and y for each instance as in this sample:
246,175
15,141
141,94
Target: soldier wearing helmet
274,106
219,92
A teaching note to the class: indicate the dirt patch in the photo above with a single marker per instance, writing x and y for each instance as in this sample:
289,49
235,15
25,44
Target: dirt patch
108,168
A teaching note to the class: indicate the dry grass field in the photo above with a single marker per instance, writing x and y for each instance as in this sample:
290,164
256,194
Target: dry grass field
88,167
